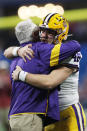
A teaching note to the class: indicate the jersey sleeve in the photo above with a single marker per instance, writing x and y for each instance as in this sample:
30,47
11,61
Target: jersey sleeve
53,55
73,62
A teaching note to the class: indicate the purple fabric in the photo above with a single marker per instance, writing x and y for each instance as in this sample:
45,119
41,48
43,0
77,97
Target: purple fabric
68,49
77,117
53,106
71,66
26,98
81,116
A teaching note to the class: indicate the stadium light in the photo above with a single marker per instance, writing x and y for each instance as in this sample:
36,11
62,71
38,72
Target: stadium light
23,12
59,9
33,10
50,8
43,12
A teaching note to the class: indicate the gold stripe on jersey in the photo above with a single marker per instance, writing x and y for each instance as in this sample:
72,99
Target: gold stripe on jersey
28,113
47,103
54,59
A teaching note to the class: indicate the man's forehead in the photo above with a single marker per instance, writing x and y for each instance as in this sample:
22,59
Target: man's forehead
49,30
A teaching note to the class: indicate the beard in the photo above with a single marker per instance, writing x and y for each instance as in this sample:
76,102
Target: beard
44,39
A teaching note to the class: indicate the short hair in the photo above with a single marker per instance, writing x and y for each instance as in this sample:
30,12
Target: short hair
24,30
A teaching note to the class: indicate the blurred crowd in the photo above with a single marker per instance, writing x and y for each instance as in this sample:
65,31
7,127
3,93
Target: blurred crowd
5,92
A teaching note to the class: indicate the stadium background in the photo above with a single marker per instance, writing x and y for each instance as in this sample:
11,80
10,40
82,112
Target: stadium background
76,13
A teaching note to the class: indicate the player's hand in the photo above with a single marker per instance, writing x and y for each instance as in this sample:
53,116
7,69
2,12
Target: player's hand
16,72
26,52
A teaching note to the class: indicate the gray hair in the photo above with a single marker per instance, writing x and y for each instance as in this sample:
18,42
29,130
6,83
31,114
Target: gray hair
23,31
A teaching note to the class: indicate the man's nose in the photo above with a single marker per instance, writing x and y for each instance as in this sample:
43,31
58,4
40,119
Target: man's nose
45,33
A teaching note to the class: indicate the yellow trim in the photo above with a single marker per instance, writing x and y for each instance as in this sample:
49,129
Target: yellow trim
27,113
54,59
47,103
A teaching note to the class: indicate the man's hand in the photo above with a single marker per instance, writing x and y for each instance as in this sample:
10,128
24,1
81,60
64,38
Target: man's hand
16,72
26,52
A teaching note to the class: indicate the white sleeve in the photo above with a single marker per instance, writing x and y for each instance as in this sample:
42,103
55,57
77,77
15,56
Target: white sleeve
73,62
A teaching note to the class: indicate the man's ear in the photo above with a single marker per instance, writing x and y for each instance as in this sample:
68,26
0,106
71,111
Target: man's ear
35,35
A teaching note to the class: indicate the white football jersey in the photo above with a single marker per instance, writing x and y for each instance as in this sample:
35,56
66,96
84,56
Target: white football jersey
68,93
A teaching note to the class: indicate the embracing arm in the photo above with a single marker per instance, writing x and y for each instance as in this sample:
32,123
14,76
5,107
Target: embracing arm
49,81
23,52
9,52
